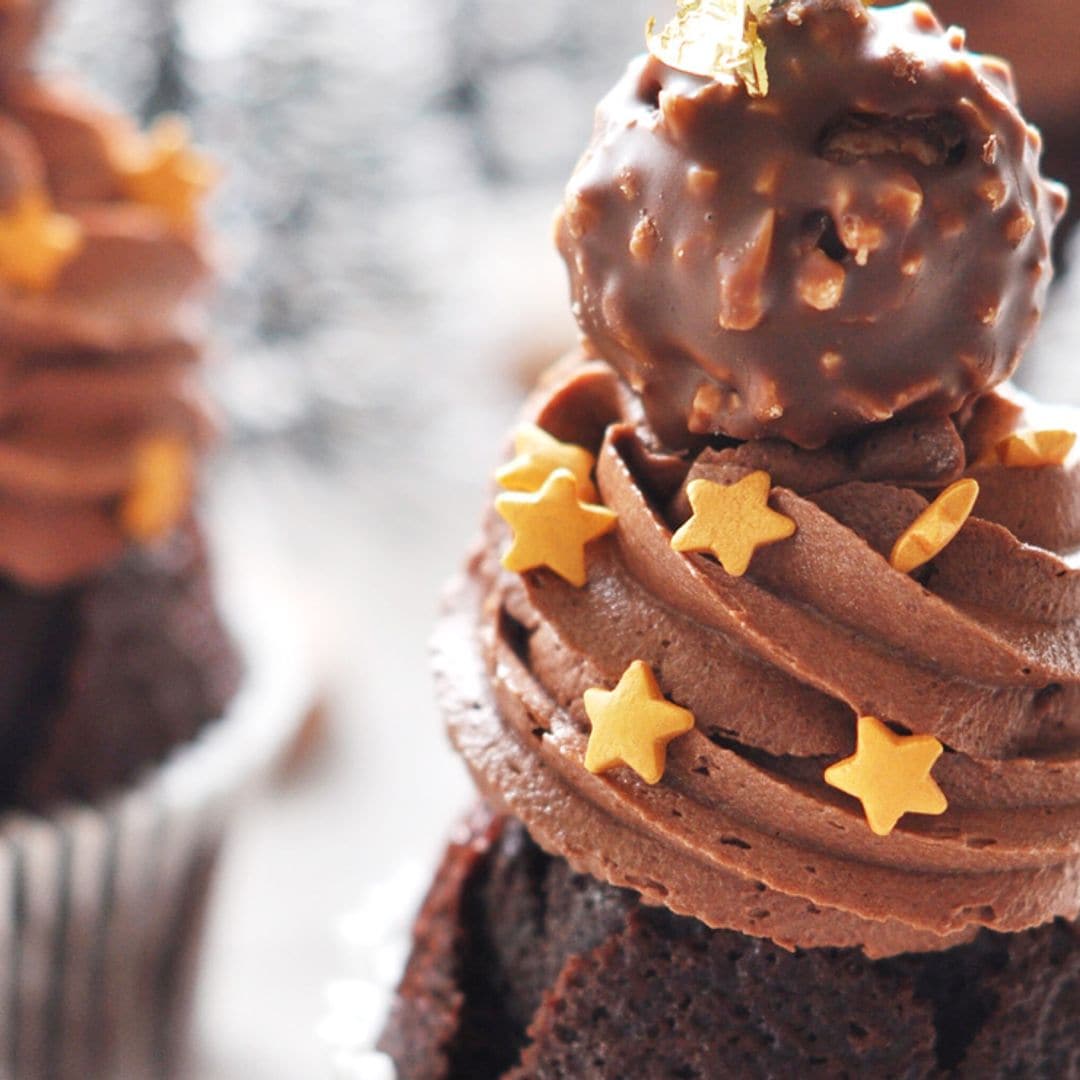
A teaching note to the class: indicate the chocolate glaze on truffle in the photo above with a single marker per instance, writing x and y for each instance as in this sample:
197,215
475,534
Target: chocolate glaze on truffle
871,238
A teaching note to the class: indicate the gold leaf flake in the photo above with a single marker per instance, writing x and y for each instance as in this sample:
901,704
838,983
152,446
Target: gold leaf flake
715,38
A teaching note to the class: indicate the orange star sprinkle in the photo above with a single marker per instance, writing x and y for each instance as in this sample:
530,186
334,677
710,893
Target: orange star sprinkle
934,529
539,455
36,242
733,521
632,725
1034,449
552,526
161,489
890,775
161,170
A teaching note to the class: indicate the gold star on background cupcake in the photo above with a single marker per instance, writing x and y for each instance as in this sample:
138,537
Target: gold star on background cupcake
552,526
936,527
539,455
633,724
36,242
161,170
732,521
161,488
1034,449
890,775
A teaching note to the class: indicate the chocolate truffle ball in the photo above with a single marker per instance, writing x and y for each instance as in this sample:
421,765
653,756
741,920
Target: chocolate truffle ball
1039,38
870,238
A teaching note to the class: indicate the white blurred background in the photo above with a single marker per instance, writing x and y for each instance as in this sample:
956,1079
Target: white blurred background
389,291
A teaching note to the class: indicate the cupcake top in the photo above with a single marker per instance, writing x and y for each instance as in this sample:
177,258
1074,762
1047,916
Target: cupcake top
868,238
100,260
824,694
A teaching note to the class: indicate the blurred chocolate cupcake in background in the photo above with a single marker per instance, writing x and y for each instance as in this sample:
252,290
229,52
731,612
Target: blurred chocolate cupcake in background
130,716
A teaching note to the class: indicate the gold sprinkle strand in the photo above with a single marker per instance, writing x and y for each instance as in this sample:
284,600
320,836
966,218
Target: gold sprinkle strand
934,529
161,488
1034,449
552,527
633,724
539,454
36,243
732,521
161,170
715,38
890,775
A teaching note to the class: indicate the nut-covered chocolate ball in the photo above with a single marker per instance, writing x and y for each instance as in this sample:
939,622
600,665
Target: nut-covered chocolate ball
1040,38
869,238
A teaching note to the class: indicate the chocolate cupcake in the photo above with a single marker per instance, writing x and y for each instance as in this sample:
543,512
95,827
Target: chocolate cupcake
523,968
129,722
765,662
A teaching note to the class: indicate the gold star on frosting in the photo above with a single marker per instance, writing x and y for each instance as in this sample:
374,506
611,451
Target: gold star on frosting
36,242
161,488
890,775
632,725
936,527
1034,449
732,521
161,170
539,455
552,526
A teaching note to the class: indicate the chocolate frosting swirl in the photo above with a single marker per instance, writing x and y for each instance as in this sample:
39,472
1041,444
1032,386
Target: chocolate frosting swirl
980,648
102,360
870,239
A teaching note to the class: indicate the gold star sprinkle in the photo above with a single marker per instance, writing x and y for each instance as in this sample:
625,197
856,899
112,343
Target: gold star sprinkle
715,38
161,488
934,529
539,455
732,522
1033,449
161,170
552,526
890,775
36,243
632,725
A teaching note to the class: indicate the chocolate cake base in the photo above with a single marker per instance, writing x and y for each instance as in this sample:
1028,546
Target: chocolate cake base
99,682
521,968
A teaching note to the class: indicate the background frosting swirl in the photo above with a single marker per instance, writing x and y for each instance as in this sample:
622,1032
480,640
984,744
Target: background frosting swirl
101,361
